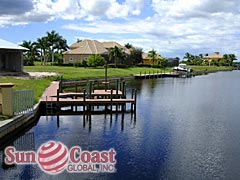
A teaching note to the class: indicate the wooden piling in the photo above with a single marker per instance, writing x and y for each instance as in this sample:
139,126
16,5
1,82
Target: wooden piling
76,89
117,87
84,100
111,100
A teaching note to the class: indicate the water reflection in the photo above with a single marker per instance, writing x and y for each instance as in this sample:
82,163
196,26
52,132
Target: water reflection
87,119
183,129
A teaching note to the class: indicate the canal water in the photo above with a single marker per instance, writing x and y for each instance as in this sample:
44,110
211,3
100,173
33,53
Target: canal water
184,129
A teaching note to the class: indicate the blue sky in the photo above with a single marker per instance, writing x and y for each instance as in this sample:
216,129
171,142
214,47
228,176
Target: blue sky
172,27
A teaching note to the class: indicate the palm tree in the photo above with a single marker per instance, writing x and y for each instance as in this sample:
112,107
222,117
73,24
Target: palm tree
226,58
153,55
232,57
42,45
128,46
136,55
53,38
32,52
61,45
116,53
187,56
56,43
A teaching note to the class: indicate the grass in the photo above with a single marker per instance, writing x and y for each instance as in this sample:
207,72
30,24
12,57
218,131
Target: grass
38,85
81,73
68,73
4,117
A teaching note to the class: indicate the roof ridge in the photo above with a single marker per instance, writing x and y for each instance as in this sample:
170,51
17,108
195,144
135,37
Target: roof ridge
94,44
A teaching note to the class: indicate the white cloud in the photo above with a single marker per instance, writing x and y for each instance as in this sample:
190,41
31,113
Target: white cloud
170,26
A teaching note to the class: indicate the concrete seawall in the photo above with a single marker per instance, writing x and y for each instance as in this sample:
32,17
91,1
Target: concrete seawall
9,128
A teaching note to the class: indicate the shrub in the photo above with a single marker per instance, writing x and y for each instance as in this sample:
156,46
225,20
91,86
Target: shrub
77,64
95,60
27,61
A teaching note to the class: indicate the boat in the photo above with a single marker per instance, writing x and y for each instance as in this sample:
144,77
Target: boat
182,68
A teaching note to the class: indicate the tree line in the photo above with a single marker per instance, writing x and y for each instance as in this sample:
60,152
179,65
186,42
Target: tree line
48,48
199,60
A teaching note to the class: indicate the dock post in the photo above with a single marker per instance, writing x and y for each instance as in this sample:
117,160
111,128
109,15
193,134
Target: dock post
84,99
132,103
92,86
90,90
117,88
76,87
135,100
60,84
58,106
123,89
111,100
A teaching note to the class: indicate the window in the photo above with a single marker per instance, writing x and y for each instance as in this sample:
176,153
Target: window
70,59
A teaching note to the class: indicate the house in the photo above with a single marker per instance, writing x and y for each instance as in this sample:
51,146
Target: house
171,62
80,51
110,44
148,60
11,57
213,57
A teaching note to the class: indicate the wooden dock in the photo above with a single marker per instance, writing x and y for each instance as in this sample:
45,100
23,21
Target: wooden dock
155,75
53,99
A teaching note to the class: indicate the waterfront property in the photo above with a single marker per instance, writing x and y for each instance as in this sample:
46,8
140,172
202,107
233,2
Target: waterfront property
11,57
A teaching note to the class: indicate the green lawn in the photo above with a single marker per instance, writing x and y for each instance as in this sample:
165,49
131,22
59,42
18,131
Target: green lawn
39,85
80,72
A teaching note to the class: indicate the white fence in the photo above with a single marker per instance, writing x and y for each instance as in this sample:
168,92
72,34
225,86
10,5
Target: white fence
23,101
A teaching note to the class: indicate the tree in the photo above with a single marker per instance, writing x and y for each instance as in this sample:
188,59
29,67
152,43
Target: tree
153,55
56,43
229,58
162,62
232,58
136,55
95,60
42,45
116,54
31,54
128,46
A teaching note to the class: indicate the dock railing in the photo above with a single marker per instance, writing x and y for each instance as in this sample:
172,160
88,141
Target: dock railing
23,101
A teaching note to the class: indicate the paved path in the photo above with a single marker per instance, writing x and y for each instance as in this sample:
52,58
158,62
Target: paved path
50,91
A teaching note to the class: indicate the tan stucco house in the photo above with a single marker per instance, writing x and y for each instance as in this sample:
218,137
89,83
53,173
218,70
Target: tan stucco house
215,55
80,51
110,44
11,57
148,60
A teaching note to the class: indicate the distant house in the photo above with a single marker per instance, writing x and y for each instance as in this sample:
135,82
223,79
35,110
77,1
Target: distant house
80,51
171,62
148,60
216,56
11,57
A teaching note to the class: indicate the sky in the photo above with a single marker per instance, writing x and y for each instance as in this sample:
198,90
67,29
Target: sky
171,27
